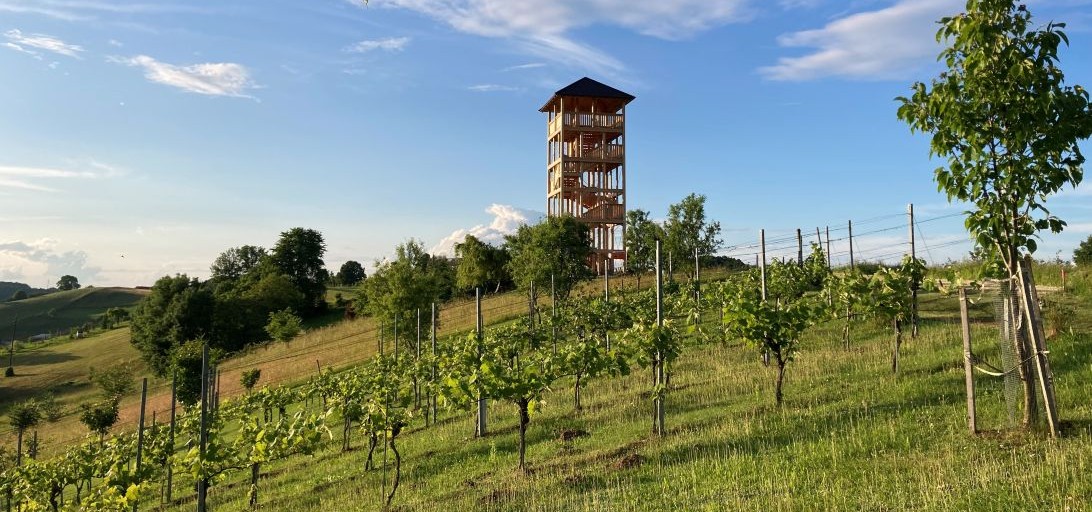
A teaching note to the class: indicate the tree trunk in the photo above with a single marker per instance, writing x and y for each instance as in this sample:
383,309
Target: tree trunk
19,448
1020,342
524,419
373,441
898,343
780,377
397,467
255,471
576,394
845,329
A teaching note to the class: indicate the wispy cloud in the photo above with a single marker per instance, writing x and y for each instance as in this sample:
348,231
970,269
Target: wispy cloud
19,41
888,43
212,79
81,10
492,88
544,29
521,67
390,44
32,178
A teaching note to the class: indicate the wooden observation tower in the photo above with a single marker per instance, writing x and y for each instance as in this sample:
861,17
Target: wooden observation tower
586,164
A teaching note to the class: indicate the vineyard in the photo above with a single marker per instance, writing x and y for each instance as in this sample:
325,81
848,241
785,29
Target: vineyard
788,386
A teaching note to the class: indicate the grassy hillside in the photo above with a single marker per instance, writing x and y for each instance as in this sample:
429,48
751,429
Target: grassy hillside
60,311
851,436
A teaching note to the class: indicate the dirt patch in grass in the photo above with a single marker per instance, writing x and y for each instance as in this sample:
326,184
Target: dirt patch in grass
630,461
568,434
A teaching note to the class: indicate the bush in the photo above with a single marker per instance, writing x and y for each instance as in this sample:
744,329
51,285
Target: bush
1082,257
283,325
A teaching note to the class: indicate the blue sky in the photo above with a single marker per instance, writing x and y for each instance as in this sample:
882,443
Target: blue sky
142,138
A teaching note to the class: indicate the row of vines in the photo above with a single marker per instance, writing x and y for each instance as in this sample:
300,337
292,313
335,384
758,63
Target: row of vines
516,362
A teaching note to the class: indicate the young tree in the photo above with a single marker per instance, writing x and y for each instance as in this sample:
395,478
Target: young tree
298,255
774,324
480,264
99,417
513,368
115,381
399,287
641,236
585,353
890,299
558,247
249,378
68,282
283,325
23,416
687,230
1082,256
1009,127
351,273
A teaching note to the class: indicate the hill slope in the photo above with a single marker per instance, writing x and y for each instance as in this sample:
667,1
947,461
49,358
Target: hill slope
851,436
60,311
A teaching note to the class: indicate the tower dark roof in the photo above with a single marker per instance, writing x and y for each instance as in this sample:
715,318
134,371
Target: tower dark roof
588,88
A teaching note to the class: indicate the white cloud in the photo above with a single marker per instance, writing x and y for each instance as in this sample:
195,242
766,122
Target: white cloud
19,41
544,29
506,220
492,88
390,44
212,79
115,43
892,42
42,259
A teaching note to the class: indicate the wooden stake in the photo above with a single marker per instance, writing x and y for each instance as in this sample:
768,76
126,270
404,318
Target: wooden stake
852,264
968,363
140,428
1035,329
483,404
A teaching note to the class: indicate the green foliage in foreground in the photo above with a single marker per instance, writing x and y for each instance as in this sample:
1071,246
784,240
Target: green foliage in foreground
850,436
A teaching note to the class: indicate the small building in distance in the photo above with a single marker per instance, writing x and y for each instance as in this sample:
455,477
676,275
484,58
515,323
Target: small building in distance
586,164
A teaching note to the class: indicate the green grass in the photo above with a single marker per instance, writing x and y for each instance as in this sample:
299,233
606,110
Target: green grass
851,436
59,311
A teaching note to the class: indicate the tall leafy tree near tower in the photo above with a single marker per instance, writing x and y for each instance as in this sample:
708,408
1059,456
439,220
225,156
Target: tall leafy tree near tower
1008,125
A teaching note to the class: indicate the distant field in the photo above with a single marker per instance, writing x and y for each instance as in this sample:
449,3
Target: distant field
61,311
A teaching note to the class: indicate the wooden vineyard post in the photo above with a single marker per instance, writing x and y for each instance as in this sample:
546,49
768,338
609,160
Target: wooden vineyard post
968,364
483,404
828,248
606,280
170,435
202,482
799,248
762,271
852,264
553,313
913,284
140,429
417,357
762,262
658,363
432,339
1030,297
